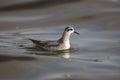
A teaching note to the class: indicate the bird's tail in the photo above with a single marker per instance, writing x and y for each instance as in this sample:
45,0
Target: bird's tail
34,41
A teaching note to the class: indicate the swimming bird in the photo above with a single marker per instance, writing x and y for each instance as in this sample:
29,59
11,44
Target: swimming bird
61,44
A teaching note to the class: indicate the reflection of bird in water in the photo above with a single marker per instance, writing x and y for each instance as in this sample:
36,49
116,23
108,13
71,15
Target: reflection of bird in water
64,55
62,44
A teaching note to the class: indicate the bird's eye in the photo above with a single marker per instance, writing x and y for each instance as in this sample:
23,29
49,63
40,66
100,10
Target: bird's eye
69,29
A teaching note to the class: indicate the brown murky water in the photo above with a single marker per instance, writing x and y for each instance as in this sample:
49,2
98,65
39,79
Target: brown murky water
94,55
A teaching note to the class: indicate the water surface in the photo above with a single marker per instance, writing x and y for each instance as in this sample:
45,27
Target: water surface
94,54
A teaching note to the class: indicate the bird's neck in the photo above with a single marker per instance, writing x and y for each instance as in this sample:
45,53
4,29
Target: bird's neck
65,38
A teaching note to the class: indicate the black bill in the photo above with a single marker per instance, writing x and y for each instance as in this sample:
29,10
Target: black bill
76,32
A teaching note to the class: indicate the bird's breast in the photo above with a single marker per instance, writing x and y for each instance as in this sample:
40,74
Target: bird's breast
63,46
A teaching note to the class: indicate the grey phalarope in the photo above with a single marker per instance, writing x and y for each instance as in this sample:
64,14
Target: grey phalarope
61,44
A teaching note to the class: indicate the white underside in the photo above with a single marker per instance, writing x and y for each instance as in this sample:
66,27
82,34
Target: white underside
63,46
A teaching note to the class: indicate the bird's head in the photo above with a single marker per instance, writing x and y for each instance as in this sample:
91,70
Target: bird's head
70,30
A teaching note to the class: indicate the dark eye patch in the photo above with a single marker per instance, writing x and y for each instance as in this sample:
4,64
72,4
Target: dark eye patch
69,29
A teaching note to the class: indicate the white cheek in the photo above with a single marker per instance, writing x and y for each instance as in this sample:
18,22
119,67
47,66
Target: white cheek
72,31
